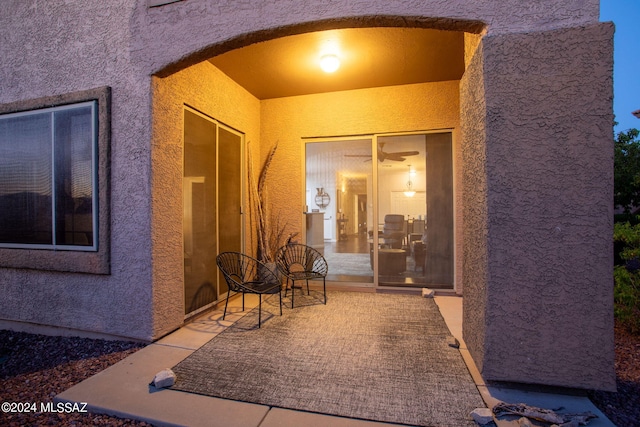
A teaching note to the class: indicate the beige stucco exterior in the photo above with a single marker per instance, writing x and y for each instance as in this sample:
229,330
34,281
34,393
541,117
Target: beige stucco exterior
532,128
544,202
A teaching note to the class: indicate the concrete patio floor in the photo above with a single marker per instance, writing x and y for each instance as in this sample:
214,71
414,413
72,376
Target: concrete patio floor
123,389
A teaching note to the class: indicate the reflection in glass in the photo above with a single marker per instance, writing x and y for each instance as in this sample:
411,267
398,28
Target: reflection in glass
25,182
74,177
415,206
199,215
339,188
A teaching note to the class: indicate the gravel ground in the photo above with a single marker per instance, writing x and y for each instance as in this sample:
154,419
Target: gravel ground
623,407
35,368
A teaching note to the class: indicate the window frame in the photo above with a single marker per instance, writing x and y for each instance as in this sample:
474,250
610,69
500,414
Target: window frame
73,258
51,114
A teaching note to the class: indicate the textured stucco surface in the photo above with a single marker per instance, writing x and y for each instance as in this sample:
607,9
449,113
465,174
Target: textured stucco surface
474,194
170,33
534,148
53,48
549,164
358,112
206,89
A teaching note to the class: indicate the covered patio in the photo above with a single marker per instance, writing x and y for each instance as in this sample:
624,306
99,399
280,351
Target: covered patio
124,389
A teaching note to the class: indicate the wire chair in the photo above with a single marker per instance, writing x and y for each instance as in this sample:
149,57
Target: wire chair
247,275
301,262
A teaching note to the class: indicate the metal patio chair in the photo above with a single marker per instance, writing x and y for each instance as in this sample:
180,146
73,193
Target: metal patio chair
301,262
247,275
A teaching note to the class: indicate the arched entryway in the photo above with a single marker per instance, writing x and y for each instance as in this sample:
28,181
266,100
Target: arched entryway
535,106
396,79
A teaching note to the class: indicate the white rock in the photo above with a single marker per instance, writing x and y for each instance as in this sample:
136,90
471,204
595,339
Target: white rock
428,293
524,422
164,378
482,416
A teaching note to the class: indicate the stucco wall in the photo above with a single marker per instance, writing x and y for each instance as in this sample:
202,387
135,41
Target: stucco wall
549,166
537,267
209,91
168,34
474,194
53,48
387,109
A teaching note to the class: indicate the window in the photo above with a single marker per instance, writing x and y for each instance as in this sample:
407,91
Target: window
55,182
47,184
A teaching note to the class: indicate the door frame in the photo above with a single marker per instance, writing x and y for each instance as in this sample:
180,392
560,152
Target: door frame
220,296
375,196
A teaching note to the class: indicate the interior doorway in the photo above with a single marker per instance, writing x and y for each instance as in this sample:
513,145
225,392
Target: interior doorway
212,206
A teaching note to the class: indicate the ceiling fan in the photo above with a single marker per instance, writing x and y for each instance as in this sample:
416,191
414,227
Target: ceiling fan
397,156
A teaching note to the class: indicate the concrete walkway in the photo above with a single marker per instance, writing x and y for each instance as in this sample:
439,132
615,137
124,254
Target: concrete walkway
123,389
451,310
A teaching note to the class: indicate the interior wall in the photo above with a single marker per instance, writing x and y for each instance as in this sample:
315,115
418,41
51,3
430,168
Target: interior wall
387,109
206,89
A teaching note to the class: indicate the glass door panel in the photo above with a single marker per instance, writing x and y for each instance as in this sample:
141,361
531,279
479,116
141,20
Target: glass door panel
415,209
408,238
212,206
229,195
339,198
199,211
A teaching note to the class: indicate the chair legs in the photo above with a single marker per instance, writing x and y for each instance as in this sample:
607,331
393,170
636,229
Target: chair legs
225,305
301,290
286,289
324,289
260,306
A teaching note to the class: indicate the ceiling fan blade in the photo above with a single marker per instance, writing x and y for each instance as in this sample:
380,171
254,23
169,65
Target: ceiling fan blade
404,153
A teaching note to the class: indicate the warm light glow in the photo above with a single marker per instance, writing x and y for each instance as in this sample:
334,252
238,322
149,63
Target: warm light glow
409,192
329,63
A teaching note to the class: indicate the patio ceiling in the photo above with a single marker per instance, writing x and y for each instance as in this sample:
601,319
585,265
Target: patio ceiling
370,57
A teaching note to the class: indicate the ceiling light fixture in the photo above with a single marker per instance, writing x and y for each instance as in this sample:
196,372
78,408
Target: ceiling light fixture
329,63
410,192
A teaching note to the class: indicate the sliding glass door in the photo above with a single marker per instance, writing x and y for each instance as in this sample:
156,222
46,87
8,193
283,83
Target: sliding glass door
339,200
212,203
415,210
388,211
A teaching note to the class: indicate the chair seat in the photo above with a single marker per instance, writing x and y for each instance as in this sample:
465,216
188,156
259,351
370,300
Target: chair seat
302,275
261,287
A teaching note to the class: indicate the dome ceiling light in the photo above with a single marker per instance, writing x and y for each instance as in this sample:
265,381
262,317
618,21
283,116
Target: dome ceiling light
329,63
